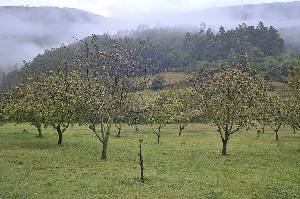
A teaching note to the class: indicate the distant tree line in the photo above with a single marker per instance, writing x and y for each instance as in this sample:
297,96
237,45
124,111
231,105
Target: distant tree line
171,48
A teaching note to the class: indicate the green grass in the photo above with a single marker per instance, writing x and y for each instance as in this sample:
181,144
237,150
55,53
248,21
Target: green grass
189,166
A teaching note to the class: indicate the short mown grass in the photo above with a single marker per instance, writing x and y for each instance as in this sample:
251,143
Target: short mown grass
189,166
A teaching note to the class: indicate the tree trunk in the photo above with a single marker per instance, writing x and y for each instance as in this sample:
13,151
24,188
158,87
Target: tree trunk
119,133
276,134
104,150
60,136
258,133
141,160
224,149
119,127
158,135
294,129
40,132
39,128
180,129
136,129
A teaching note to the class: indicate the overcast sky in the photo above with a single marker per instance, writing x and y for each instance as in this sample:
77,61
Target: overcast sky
132,7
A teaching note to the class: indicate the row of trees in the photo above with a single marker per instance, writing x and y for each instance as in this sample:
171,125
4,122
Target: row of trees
103,95
91,90
231,100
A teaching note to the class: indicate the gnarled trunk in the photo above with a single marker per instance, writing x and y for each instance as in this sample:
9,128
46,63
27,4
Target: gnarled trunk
60,132
103,136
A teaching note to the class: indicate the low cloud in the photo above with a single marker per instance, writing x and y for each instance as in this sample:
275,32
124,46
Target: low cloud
26,32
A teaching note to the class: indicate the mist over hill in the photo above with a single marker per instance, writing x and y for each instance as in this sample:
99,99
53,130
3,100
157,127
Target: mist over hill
28,31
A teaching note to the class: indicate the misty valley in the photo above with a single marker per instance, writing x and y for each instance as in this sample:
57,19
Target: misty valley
200,103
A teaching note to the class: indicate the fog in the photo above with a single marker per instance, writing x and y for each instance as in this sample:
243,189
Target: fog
26,32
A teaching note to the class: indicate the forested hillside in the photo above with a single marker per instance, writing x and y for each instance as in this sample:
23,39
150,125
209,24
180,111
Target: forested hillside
169,49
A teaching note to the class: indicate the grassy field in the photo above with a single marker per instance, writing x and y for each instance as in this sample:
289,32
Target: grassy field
189,166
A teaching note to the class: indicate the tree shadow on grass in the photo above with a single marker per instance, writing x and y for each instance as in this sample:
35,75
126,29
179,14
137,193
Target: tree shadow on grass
31,145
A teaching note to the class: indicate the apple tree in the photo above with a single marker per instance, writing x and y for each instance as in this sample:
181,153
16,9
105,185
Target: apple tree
228,100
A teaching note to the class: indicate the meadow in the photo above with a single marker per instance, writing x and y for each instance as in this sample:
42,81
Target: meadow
189,166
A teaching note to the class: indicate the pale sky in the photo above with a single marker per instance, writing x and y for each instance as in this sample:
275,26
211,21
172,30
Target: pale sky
132,7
